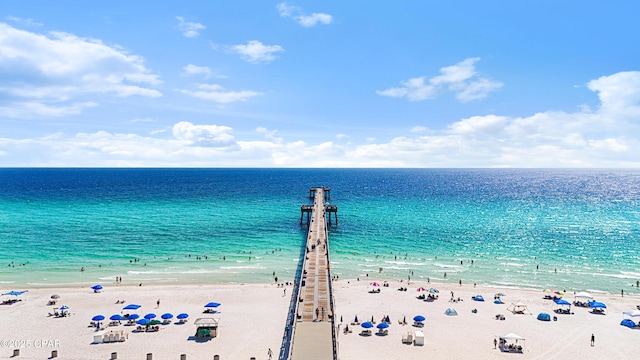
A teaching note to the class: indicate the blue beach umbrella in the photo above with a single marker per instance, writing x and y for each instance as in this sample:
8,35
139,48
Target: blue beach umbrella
64,308
367,325
478,298
15,293
597,305
133,316
561,302
167,316
182,316
382,325
131,307
98,318
419,318
116,317
150,316
212,305
143,321
97,287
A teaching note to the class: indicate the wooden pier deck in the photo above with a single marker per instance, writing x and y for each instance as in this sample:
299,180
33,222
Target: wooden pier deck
313,331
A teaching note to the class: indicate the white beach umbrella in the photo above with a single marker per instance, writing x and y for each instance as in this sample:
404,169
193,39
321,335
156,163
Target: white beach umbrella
632,313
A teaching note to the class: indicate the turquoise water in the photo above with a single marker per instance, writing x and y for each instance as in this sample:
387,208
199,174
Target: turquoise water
560,229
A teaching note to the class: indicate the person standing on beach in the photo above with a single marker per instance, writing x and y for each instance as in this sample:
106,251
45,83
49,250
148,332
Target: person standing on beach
495,343
593,340
158,303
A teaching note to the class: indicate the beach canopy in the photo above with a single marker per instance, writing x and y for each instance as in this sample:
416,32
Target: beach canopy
450,312
116,317
511,336
367,325
182,316
561,302
64,307
421,289
133,316
498,301
382,325
518,308
150,316
478,298
544,317
432,291
97,287
499,294
15,293
131,307
212,305
628,323
632,313
167,316
584,295
98,318
375,284
143,322
419,318
597,305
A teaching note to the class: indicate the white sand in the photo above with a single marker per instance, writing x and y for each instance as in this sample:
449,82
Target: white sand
470,335
252,319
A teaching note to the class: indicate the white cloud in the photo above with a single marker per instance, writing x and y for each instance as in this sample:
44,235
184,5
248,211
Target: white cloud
256,52
216,93
342,136
197,70
56,73
296,14
461,79
269,134
189,29
605,138
33,109
203,135
26,22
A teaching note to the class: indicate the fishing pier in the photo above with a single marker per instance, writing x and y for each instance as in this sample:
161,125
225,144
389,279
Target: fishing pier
312,330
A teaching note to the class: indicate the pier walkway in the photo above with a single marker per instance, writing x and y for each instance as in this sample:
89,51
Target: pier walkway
313,331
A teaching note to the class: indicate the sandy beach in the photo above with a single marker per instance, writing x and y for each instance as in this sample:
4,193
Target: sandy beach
252,319
470,335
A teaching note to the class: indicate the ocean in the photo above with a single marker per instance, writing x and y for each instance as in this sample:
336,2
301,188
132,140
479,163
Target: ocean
535,228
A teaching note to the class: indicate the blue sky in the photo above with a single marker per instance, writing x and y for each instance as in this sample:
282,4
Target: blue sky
319,84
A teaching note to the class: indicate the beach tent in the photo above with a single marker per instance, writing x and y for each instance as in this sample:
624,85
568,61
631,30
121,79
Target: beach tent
131,307
519,308
544,317
516,342
478,298
628,323
450,312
